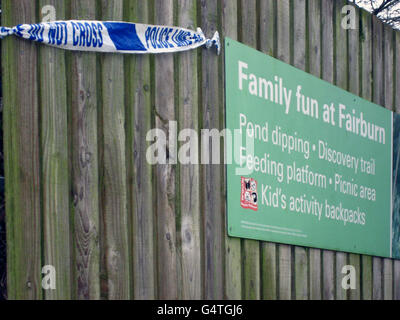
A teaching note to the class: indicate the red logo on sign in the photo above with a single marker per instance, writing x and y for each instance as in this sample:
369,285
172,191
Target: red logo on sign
249,196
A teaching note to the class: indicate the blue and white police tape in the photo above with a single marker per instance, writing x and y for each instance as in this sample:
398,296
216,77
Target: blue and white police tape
121,37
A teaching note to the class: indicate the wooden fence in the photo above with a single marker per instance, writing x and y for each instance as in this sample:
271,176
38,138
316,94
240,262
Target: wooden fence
81,196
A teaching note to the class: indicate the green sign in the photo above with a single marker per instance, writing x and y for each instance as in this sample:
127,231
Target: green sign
311,164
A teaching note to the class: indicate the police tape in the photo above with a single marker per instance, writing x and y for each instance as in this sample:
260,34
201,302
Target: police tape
112,36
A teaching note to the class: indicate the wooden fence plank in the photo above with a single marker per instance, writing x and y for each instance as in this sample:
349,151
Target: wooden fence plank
22,156
299,61
328,257
341,79
233,261
55,174
388,45
299,34
301,273
84,150
251,248
314,35
84,160
165,173
355,261
189,173
341,58
377,59
314,64
396,280
378,97
268,249
138,115
114,189
377,285
354,56
366,55
387,279
269,271
397,71
396,268
366,277
251,270
354,87
366,93
283,54
267,26
211,174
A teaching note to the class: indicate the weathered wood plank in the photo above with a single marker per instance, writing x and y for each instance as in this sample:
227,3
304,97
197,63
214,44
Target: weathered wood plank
340,261
366,277
387,279
388,62
300,61
328,288
233,261
366,93
251,248
388,87
283,54
301,273
251,269
314,65
268,249
354,56
377,285
315,283
249,21
9,97
396,280
314,35
377,59
366,55
22,156
269,272
166,173
397,71
189,174
341,57
267,26
341,79
84,151
378,97
114,188
328,257
283,30
300,34
285,272
327,40
396,267
140,175
355,261
55,174
211,174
